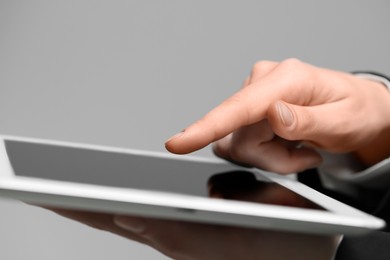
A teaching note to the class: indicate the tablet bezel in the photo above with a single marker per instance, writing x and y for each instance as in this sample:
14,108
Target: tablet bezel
337,218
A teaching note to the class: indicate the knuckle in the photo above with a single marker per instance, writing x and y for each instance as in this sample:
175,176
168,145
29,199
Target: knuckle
261,67
292,63
220,149
295,71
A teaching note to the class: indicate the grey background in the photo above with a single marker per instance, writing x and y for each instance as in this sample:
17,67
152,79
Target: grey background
133,73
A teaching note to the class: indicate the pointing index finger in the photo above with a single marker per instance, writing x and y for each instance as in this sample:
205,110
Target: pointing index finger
243,108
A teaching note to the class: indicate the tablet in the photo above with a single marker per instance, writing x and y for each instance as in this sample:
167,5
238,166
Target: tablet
161,185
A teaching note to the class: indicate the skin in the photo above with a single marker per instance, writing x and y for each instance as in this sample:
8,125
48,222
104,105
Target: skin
284,103
282,114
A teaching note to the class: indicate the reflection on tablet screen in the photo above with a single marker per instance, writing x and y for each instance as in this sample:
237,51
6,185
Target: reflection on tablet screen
243,185
140,172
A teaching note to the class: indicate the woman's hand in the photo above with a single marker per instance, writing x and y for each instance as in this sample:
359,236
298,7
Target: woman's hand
287,109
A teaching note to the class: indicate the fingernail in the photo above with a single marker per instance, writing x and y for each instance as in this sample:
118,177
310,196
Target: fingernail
136,225
175,136
285,114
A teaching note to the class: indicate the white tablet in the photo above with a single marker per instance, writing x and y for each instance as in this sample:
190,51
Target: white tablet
162,185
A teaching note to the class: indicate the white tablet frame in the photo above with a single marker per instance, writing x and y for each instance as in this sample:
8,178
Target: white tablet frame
338,218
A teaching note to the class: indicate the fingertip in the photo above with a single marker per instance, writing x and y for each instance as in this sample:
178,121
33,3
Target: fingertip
181,145
283,119
286,116
174,148
191,139
174,145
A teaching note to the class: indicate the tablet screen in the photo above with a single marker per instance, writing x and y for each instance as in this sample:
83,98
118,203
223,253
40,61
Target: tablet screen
144,172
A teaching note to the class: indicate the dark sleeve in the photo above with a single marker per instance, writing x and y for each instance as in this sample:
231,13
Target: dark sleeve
374,246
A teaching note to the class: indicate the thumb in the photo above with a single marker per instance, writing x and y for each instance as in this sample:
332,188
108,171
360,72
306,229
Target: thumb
293,122
304,123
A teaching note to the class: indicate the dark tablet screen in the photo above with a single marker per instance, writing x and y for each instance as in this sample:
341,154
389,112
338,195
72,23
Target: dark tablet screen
125,170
